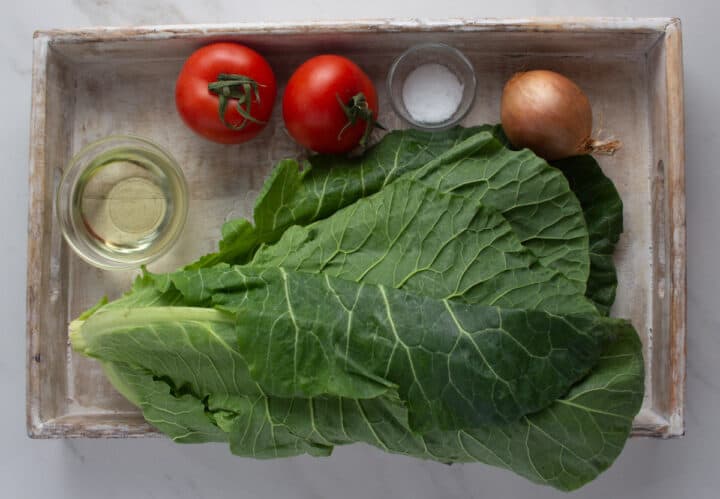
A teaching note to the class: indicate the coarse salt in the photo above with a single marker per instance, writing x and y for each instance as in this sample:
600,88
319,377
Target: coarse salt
432,93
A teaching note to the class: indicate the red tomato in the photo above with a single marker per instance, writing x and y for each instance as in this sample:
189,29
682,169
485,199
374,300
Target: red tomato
330,105
226,75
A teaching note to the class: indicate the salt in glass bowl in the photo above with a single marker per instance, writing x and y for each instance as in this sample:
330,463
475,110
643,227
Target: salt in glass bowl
421,55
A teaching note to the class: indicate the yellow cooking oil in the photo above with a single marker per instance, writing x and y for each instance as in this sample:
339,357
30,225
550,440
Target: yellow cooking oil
125,202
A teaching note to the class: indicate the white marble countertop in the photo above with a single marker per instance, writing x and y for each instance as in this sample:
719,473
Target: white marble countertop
157,468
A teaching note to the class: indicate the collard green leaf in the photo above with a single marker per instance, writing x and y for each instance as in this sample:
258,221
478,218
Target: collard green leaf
255,427
240,239
439,245
182,417
304,335
300,336
299,193
575,439
564,445
169,341
328,182
534,198
603,211
531,195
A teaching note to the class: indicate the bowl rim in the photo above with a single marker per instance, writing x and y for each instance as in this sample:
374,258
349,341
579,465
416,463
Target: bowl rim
65,192
400,110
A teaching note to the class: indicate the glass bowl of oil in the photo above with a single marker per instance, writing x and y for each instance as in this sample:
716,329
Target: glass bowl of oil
122,202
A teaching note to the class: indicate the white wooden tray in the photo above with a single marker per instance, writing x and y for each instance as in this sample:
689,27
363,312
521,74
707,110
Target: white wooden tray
89,83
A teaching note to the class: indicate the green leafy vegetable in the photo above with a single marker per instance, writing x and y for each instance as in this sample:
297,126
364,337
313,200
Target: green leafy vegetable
429,298
407,235
577,436
488,364
602,208
534,198
298,194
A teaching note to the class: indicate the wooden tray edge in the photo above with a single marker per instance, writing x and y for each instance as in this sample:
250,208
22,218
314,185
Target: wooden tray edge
36,238
537,24
675,177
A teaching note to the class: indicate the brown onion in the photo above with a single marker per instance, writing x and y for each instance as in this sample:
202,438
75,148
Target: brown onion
549,114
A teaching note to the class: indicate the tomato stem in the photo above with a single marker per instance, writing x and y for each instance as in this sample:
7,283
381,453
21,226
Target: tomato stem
242,89
357,108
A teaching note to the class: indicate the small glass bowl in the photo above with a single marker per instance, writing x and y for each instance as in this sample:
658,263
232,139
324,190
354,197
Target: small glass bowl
431,53
122,202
